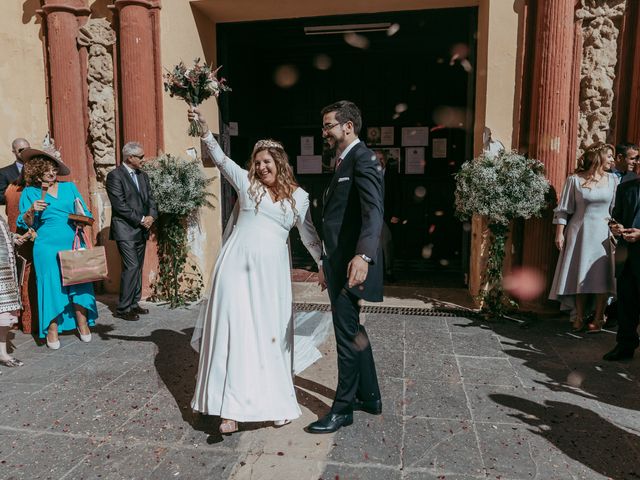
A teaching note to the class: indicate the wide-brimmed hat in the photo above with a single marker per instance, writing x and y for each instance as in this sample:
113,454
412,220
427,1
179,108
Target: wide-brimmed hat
29,153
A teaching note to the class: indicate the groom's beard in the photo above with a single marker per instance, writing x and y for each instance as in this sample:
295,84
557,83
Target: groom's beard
329,152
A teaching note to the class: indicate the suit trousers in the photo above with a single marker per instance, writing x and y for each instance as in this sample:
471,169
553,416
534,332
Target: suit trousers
628,308
132,254
356,369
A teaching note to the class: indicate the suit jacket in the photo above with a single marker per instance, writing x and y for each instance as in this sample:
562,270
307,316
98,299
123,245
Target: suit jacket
8,174
128,205
352,221
627,212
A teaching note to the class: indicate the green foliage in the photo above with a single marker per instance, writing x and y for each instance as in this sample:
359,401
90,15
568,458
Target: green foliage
180,189
501,188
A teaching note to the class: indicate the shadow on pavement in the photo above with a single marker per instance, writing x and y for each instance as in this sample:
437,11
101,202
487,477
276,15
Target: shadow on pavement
579,433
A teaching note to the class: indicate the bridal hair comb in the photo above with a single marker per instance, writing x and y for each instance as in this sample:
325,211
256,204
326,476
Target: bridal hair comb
598,147
267,143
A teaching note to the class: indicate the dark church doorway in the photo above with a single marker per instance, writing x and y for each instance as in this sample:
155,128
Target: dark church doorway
413,76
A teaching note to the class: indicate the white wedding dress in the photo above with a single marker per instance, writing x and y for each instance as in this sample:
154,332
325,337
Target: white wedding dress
244,336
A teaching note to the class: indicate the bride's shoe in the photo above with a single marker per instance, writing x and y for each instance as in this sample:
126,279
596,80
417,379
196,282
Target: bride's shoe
228,426
281,423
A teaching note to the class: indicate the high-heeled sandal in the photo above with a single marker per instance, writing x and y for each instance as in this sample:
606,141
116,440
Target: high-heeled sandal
228,426
595,327
281,423
577,327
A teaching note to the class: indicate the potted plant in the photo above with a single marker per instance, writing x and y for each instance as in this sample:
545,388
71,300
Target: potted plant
180,190
500,187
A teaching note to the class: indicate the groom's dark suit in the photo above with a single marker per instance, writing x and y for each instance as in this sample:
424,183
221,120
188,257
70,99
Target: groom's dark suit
351,225
627,212
129,204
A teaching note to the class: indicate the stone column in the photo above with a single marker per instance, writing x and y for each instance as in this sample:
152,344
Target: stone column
140,82
140,91
550,119
633,122
67,87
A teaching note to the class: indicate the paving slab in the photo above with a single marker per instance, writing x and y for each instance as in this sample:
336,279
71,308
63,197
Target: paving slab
463,399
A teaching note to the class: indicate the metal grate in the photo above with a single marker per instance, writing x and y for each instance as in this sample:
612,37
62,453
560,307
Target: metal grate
432,312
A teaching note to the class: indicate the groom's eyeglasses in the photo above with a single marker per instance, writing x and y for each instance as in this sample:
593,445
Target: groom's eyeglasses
329,126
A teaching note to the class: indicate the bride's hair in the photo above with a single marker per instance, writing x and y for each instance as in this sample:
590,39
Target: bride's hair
285,181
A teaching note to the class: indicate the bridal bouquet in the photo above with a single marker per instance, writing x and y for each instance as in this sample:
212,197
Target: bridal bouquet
194,85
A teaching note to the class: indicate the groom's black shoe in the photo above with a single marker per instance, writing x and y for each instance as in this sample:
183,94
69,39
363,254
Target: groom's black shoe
374,407
619,353
330,423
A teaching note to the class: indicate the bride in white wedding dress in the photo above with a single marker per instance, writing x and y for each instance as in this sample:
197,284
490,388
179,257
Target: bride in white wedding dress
244,371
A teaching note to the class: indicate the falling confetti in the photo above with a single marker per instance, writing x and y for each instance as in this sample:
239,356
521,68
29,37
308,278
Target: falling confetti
322,62
356,40
524,283
393,29
286,76
420,192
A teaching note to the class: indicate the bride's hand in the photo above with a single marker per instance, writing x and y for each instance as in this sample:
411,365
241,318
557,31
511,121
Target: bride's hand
194,113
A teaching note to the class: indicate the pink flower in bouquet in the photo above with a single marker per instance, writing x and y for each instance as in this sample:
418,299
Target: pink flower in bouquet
194,85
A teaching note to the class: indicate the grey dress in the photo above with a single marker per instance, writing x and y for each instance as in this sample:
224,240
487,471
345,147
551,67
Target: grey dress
585,264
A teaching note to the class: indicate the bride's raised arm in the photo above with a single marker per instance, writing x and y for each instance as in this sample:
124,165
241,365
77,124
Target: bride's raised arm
234,173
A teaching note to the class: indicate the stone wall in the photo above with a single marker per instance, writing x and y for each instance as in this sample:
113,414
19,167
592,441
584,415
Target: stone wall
601,25
98,37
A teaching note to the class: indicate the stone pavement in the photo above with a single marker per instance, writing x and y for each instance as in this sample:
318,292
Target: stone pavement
462,400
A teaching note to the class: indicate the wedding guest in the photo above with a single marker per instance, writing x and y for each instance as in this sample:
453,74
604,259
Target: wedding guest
625,168
133,211
244,372
28,316
625,225
9,292
11,172
45,206
627,155
585,267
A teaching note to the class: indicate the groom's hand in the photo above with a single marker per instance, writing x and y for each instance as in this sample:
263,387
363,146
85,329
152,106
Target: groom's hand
357,271
321,280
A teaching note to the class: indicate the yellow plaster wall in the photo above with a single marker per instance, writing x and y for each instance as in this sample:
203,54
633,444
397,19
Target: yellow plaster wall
186,35
23,106
496,80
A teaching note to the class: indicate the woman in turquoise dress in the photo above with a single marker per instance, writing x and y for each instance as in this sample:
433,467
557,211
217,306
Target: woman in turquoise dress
47,213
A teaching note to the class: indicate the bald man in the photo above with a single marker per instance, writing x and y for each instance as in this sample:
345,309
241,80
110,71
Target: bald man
11,172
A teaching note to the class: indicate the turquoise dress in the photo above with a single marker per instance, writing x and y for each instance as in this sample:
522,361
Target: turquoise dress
56,233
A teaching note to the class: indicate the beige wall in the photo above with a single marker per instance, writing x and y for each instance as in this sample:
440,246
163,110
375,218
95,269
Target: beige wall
496,83
22,80
186,36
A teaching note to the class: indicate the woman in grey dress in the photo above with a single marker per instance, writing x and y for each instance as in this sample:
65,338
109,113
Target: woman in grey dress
585,266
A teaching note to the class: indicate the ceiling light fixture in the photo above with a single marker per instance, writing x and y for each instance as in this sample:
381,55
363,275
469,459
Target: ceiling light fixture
340,29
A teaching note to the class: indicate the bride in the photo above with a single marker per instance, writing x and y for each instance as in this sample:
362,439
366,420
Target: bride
244,371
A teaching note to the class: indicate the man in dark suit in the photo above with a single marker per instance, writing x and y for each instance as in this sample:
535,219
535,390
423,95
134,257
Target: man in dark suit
11,172
626,226
133,211
352,261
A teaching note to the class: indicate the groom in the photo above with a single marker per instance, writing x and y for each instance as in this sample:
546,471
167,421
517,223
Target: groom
352,261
